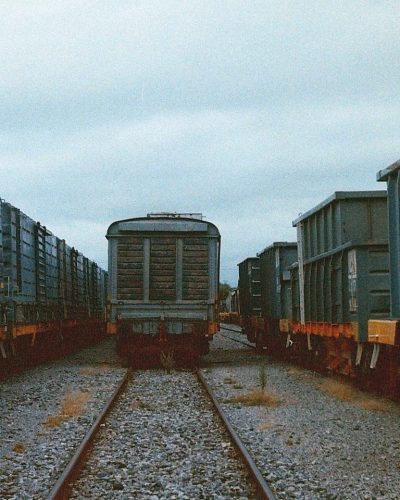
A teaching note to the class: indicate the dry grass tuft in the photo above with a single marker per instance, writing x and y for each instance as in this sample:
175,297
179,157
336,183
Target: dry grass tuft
255,397
72,405
94,370
373,404
265,426
295,371
19,448
55,421
88,370
345,392
141,405
229,380
339,390
167,360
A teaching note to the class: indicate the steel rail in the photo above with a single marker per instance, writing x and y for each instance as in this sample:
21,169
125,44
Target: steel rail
230,329
262,487
239,341
60,490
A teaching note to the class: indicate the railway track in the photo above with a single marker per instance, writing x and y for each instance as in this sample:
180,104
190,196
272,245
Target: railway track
73,482
62,486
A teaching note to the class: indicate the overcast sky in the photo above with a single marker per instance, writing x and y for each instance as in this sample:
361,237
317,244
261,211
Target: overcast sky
247,111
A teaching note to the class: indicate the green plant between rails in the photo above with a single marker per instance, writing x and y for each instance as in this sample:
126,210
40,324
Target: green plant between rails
262,377
167,360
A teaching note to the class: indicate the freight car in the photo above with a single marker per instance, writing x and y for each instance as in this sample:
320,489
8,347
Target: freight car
163,282
51,296
325,301
341,279
384,334
276,296
250,296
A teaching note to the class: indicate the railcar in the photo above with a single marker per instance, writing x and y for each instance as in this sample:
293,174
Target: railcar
163,286
51,296
250,296
276,296
326,301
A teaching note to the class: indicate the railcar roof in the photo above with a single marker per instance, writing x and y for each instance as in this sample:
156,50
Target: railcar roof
383,175
340,195
161,223
278,244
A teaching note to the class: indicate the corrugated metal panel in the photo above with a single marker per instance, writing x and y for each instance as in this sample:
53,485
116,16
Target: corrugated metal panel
2,281
344,217
27,253
52,285
392,176
348,285
40,254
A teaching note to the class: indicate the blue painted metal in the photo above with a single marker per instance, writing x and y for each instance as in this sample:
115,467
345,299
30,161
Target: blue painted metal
392,176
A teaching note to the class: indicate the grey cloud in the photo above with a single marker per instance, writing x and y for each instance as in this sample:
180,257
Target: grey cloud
250,112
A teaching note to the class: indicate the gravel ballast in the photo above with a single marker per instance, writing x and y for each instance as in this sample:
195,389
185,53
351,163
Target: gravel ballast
163,441
313,445
46,412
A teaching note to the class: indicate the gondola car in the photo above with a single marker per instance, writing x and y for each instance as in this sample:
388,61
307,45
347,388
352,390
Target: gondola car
163,287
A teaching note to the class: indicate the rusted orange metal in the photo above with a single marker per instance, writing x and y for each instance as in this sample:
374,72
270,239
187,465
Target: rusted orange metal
20,330
284,325
347,330
111,328
212,328
384,331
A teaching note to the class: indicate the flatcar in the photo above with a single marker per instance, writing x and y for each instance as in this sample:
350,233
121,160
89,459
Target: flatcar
51,296
163,286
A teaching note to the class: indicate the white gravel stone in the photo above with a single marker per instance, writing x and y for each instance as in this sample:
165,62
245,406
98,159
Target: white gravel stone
313,446
163,440
33,453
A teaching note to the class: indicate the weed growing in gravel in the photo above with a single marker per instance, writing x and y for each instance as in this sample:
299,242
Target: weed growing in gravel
256,397
142,405
19,448
345,392
72,405
167,360
262,377
229,380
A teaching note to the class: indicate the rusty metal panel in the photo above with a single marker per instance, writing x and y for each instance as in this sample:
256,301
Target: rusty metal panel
195,269
130,256
175,268
163,268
